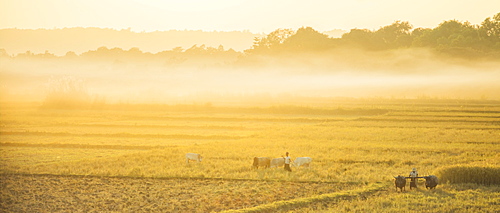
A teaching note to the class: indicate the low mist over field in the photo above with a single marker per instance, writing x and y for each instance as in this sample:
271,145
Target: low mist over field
416,73
455,60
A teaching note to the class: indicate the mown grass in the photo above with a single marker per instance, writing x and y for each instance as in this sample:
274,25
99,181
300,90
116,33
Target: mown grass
55,193
445,198
287,205
363,142
359,148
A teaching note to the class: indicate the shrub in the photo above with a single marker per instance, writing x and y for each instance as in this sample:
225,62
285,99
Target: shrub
67,93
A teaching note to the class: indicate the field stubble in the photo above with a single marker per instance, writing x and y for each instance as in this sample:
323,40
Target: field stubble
38,193
360,142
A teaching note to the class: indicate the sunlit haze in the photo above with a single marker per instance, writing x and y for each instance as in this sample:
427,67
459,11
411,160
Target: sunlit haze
236,50
258,16
249,106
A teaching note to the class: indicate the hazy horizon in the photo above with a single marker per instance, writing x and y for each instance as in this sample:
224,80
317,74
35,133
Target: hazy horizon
381,57
276,81
223,15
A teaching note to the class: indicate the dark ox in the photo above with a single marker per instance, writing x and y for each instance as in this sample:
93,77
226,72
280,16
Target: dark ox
400,182
431,181
262,162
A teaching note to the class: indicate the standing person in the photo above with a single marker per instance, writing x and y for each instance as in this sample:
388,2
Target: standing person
413,178
287,162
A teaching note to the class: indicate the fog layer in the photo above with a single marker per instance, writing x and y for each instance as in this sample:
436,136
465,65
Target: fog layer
402,74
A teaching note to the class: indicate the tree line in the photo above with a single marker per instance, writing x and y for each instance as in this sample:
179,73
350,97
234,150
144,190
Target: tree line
452,37
455,38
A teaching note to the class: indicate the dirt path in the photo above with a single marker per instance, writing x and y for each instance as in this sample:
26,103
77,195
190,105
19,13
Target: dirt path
51,193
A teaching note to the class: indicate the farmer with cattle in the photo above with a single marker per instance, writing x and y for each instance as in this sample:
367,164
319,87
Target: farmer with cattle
431,181
265,162
283,161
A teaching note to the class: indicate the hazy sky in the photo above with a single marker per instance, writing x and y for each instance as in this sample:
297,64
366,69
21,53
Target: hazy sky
259,16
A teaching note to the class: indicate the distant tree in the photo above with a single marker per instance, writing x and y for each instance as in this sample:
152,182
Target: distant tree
135,50
27,54
453,38
203,50
47,54
450,34
490,32
177,49
220,48
308,39
272,42
419,37
360,38
104,53
3,53
395,35
195,50
71,54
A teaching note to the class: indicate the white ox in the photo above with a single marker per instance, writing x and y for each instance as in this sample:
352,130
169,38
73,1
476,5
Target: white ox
302,161
193,157
277,162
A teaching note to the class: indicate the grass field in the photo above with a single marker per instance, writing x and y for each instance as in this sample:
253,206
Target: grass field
357,147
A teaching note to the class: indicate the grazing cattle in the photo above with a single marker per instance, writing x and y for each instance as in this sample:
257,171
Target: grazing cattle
431,181
302,161
261,161
400,182
277,162
193,157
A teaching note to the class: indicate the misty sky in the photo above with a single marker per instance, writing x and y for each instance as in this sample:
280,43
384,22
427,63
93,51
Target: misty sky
258,16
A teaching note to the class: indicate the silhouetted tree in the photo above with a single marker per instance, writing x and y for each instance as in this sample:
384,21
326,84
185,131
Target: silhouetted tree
70,55
272,42
360,38
451,37
396,35
308,39
3,53
490,32
451,34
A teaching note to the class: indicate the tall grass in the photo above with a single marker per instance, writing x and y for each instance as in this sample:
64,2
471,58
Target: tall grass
66,93
469,174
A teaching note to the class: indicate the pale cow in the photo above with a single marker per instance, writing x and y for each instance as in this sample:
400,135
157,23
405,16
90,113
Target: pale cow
193,157
302,161
277,162
261,161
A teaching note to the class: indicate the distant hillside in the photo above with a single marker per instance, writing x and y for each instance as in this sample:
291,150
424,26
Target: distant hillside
78,40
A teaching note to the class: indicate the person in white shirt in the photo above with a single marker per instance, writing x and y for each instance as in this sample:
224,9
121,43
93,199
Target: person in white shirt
413,175
288,160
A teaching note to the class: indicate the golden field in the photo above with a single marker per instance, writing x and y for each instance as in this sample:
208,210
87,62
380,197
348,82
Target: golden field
357,147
